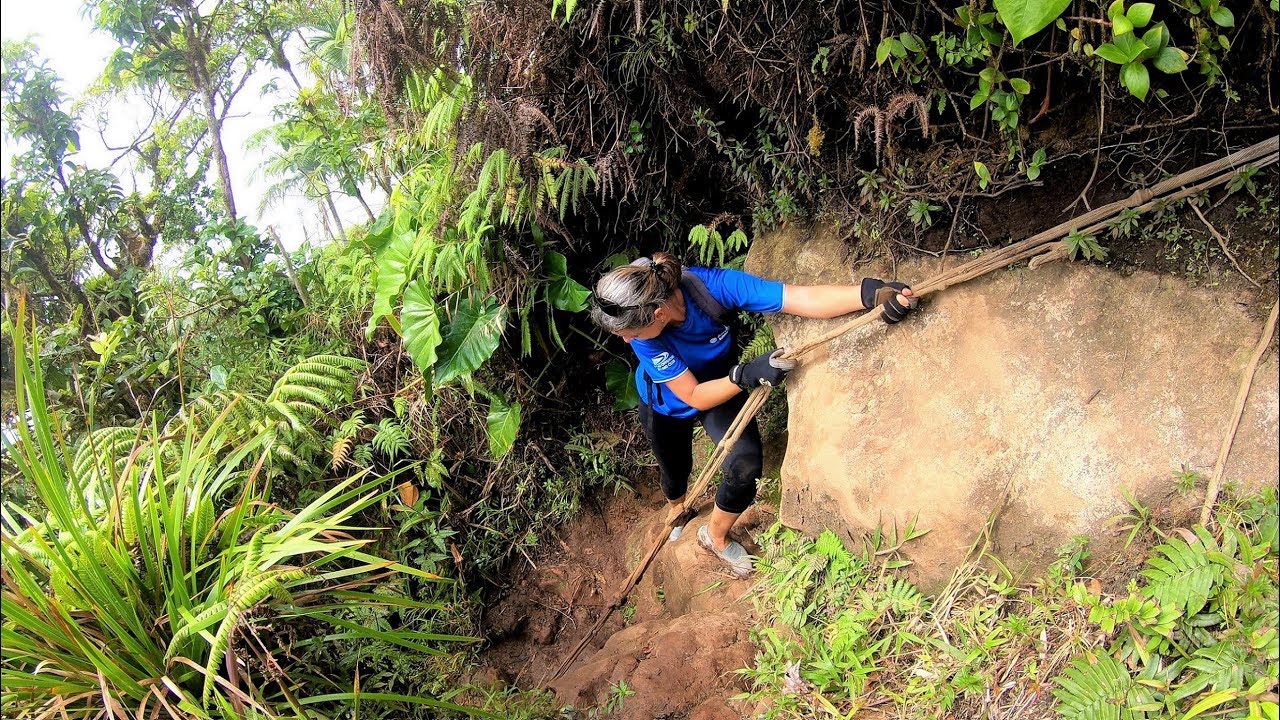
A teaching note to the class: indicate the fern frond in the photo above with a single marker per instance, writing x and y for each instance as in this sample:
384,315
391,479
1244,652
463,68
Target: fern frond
120,571
362,456
294,421
902,596
318,399
201,521
391,439
829,545
1183,575
1099,690
197,623
762,342
103,453
340,451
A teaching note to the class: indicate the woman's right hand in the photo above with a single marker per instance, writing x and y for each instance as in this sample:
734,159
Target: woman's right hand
768,369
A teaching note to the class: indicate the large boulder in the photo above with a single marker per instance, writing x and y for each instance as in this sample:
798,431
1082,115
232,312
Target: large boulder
1043,393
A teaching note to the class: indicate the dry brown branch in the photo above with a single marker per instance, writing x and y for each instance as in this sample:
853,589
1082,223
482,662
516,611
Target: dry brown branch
1246,381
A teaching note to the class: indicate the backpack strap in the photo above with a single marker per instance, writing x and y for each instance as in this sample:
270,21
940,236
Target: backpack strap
697,291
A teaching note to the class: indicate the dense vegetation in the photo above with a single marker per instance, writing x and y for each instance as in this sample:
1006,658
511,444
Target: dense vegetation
241,480
1193,635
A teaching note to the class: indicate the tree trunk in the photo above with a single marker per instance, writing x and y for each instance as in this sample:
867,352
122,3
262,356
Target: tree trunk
219,154
324,221
68,290
198,69
333,211
367,210
288,267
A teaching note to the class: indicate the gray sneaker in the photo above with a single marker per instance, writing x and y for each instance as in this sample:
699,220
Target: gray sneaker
678,529
736,556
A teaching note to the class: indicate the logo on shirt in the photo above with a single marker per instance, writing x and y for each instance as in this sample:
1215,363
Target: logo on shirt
664,360
723,334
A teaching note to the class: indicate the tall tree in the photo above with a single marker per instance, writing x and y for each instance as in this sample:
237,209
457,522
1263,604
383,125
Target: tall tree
63,223
209,50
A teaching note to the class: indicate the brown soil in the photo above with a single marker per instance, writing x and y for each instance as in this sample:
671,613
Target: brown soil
677,642
540,618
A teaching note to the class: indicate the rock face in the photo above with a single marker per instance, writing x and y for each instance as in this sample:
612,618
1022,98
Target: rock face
1044,392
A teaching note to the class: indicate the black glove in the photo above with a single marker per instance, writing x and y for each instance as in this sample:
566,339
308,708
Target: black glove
765,370
877,292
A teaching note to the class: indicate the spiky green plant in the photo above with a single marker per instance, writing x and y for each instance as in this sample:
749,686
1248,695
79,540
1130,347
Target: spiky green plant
157,596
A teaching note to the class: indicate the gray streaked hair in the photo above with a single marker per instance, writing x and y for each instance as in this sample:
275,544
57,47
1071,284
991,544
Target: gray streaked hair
627,297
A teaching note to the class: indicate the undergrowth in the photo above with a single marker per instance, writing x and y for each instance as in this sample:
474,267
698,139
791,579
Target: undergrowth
1192,635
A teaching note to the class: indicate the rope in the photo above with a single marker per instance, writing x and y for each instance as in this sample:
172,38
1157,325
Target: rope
1180,186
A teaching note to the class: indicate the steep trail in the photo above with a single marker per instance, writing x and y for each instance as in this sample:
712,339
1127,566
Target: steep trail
685,629
677,645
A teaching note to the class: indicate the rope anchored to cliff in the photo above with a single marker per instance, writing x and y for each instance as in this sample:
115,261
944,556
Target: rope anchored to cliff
1041,248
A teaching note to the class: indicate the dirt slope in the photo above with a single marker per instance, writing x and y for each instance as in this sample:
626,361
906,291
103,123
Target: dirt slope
678,642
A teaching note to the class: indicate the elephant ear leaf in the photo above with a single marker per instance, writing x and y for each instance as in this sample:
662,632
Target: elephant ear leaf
564,292
472,336
502,424
420,324
393,273
617,376
1025,18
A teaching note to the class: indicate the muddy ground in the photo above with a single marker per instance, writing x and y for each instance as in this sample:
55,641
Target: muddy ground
677,642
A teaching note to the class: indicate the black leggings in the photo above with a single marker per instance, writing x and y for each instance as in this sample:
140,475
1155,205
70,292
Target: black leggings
672,441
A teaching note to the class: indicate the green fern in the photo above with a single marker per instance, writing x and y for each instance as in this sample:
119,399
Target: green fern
303,396
711,245
200,524
1101,690
362,456
1184,575
902,597
253,553
245,596
391,439
829,545
103,453
762,342
204,619
316,384
117,566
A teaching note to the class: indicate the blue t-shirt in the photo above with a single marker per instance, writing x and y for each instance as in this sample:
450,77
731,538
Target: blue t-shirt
699,344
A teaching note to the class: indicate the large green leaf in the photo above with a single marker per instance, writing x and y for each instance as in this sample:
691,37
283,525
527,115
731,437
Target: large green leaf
1170,60
617,376
503,423
564,292
380,230
1137,79
473,334
393,269
420,324
1025,18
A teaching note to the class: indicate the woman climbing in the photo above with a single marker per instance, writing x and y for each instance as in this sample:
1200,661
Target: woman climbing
677,322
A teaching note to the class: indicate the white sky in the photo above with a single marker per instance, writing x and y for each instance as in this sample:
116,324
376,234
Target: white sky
78,54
